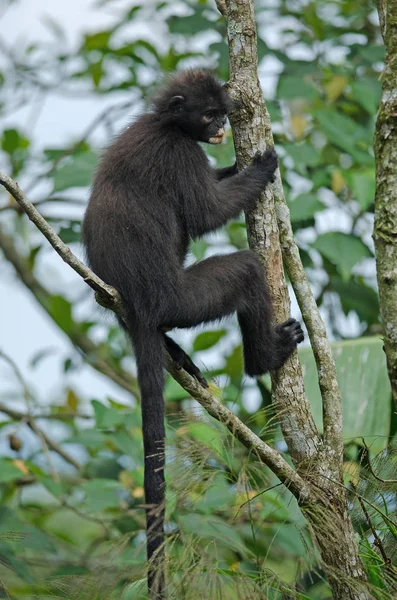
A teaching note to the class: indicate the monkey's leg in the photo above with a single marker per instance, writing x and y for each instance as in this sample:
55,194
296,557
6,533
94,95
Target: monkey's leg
221,285
183,360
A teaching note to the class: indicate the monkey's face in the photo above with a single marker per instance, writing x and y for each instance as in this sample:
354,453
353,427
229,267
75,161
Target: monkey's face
213,126
204,122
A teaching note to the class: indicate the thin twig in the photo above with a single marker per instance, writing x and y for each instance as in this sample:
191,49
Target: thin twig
377,540
392,481
20,416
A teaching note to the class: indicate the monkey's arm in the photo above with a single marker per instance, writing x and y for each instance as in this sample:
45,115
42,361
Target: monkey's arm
227,199
225,172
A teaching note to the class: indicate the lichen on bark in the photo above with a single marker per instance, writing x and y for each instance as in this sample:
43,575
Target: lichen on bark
385,228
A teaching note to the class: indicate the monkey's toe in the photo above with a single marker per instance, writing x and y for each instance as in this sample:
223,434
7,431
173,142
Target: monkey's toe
290,332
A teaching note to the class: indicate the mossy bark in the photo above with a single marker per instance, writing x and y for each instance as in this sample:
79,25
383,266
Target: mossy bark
385,230
318,461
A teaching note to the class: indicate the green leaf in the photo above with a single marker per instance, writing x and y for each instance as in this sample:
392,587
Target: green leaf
97,41
61,311
101,494
71,234
77,172
174,392
90,438
346,134
342,249
364,385
189,25
107,417
205,434
234,364
291,86
207,339
303,155
12,140
212,528
367,91
124,442
8,471
274,111
362,184
198,248
304,207
357,296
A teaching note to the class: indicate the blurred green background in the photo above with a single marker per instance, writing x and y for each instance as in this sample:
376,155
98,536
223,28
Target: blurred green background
72,525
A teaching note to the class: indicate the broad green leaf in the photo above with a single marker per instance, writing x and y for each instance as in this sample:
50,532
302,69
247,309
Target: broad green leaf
274,110
207,339
101,494
303,154
77,172
8,471
345,133
205,434
365,389
234,363
291,86
71,234
219,497
367,91
90,438
343,250
362,184
97,41
237,233
107,417
304,207
61,311
189,25
124,442
174,392
212,528
356,295
12,140
198,248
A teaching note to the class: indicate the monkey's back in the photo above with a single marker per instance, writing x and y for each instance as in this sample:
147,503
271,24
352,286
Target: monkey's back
134,229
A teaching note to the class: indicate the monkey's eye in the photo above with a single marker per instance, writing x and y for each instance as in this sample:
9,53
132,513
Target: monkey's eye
208,116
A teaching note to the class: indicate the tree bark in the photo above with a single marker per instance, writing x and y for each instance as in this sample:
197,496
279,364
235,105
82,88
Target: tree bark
385,229
270,236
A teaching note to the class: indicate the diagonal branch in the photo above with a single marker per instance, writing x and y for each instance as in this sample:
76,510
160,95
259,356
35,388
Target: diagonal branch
111,299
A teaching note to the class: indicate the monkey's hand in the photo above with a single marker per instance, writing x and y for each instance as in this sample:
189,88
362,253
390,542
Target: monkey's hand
266,165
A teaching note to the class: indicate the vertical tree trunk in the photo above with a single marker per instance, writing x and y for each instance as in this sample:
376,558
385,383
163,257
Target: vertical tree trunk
317,461
385,230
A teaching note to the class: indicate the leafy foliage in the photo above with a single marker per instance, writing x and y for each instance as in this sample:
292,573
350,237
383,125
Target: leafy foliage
232,531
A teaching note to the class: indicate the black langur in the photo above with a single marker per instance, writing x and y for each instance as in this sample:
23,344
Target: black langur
153,192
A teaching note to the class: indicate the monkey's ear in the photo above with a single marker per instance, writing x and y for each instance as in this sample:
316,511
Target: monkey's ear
175,104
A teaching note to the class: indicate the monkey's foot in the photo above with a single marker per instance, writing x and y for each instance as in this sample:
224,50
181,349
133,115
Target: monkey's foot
289,335
185,362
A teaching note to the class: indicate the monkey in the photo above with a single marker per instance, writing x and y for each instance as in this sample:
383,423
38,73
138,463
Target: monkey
153,192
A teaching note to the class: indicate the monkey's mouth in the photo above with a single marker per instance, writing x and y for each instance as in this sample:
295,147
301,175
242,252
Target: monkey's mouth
218,138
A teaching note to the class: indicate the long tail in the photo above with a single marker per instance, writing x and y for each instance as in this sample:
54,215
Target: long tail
149,350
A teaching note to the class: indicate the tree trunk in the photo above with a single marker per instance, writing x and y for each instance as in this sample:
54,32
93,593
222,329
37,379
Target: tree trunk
318,462
385,230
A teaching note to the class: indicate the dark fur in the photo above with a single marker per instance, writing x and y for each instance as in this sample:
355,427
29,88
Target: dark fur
153,192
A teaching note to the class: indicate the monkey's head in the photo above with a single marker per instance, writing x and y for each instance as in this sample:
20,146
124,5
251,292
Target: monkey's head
197,103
